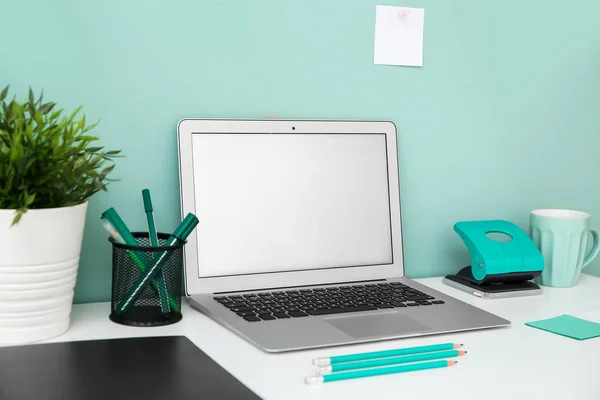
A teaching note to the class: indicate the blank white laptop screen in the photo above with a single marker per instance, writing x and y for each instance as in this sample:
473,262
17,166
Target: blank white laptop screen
287,202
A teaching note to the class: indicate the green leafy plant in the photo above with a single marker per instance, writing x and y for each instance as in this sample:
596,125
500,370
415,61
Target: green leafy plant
47,158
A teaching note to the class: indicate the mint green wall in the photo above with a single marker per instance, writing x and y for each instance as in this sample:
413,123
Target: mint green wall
503,118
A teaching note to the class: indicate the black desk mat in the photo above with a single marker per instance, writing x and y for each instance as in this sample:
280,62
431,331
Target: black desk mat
154,368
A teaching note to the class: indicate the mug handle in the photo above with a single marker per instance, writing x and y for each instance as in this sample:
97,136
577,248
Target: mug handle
595,248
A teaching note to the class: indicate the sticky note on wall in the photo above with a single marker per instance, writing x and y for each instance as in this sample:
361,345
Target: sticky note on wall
399,35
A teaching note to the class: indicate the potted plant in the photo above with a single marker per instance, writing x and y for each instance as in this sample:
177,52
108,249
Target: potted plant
49,167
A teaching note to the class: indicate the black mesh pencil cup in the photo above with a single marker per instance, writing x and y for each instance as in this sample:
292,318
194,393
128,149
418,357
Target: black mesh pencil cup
157,303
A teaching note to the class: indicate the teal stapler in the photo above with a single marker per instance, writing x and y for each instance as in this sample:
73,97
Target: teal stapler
504,260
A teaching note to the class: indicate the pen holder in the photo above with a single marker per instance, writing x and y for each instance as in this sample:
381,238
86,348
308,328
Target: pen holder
128,263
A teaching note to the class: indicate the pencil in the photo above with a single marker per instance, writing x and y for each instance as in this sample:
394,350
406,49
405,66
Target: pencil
362,373
380,362
386,353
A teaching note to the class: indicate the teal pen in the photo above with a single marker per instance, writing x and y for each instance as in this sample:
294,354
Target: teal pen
386,353
115,220
119,239
116,227
181,233
311,380
381,362
160,278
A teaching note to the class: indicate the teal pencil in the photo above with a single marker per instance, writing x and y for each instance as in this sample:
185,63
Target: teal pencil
381,362
386,353
363,373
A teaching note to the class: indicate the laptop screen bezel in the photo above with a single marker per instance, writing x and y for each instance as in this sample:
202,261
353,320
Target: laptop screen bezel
198,285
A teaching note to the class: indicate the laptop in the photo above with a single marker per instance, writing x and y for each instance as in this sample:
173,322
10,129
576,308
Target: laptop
299,244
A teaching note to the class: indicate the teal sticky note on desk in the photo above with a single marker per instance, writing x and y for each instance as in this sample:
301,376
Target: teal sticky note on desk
567,325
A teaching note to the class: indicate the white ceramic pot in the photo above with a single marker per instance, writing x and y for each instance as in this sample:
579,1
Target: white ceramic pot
39,258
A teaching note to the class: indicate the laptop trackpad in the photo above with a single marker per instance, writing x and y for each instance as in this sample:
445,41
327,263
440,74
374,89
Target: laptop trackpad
366,326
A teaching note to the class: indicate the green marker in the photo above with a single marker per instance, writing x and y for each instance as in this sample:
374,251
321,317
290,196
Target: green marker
381,362
119,231
160,278
181,233
362,373
115,220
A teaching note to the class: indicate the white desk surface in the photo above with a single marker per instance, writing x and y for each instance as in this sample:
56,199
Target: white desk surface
517,362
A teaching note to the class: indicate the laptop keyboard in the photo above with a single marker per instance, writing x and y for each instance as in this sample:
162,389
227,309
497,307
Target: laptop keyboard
270,306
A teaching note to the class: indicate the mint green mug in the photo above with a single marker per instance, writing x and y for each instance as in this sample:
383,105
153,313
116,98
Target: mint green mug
562,238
